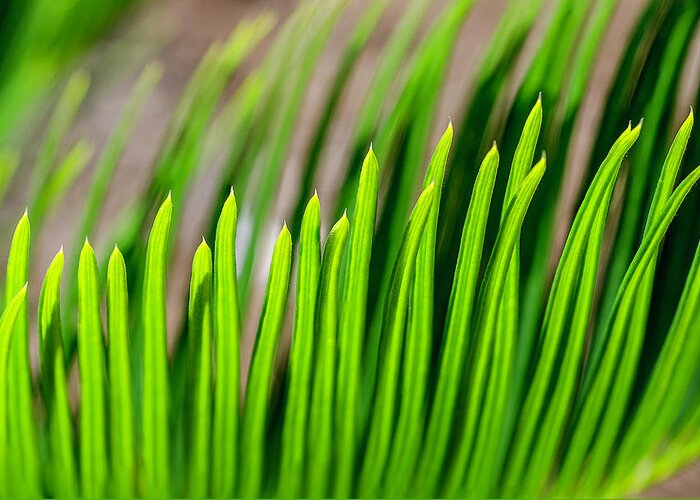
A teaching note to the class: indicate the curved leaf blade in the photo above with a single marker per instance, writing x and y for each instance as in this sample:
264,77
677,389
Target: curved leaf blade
320,442
155,436
227,332
122,424
7,326
256,408
352,325
93,418
301,354
200,339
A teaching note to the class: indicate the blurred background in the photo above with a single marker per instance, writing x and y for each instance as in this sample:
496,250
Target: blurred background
44,42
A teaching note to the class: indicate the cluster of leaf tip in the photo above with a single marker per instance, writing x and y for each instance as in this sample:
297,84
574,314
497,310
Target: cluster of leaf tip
363,412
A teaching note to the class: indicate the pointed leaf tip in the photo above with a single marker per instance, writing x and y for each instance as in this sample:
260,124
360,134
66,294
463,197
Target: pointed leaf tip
168,199
231,198
115,252
285,231
203,245
371,153
87,246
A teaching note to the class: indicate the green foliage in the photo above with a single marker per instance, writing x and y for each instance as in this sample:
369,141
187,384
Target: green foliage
227,332
199,323
22,430
301,355
91,360
122,422
412,410
395,310
7,326
154,455
352,322
454,350
63,476
257,399
457,338
38,39
320,441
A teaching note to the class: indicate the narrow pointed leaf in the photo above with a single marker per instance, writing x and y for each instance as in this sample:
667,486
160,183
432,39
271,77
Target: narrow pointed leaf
581,251
227,332
486,394
91,360
416,365
155,437
382,420
62,465
256,408
200,338
22,424
122,424
321,437
301,354
457,331
604,384
352,325
7,327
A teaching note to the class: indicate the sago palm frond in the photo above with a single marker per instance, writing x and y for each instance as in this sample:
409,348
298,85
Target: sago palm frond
484,321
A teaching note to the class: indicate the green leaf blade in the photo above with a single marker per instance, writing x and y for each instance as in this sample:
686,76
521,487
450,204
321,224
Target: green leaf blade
227,331
352,324
93,421
7,326
23,432
256,408
591,214
122,424
457,338
604,384
382,419
200,339
406,443
487,392
62,479
301,354
155,444
320,442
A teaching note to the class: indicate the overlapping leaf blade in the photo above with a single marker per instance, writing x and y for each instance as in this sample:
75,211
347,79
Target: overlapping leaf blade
257,401
91,360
